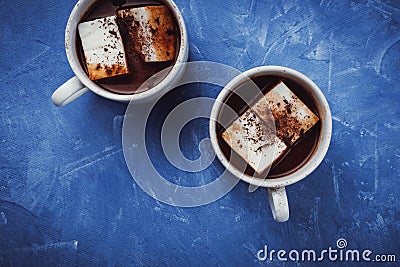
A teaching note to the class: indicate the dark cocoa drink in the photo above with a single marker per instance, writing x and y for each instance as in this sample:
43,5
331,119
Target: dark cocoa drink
297,154
140,71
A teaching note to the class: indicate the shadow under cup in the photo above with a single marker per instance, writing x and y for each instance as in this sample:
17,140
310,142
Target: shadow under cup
299,154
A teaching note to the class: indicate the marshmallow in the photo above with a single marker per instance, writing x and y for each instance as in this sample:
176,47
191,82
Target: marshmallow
292,117
103,48
254,141
152,31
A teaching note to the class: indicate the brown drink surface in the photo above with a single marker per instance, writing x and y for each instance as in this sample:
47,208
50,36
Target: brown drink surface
140,71
297,154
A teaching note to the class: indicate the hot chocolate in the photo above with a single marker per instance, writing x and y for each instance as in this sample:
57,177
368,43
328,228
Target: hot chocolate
140,69
299,143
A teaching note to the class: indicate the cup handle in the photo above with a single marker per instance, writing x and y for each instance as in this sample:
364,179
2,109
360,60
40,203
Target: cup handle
68,92
279,203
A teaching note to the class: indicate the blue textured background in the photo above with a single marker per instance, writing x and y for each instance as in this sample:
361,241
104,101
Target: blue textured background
67,198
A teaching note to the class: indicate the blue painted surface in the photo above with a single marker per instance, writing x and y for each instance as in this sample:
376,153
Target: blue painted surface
67,197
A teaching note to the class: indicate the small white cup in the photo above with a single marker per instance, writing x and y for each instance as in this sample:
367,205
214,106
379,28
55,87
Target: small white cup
276,186
80,84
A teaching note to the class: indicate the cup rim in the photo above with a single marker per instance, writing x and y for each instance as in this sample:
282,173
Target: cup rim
175,73
323,141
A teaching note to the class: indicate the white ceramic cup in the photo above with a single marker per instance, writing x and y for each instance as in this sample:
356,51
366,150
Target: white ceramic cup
276,187
80,84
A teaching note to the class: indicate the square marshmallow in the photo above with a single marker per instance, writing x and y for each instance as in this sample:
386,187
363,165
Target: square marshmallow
292,117
152,32
253,140
103,48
